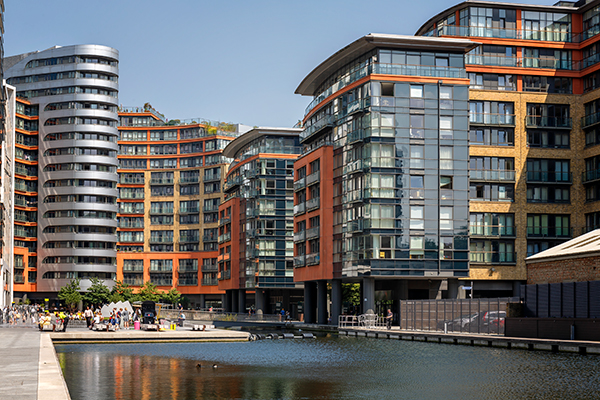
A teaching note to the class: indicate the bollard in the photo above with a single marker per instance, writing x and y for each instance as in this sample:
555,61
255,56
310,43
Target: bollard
572,332
445,327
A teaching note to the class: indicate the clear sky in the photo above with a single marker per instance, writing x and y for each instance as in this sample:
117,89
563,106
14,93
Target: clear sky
233,61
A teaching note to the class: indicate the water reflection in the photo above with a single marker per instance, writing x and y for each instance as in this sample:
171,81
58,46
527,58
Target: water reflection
324,368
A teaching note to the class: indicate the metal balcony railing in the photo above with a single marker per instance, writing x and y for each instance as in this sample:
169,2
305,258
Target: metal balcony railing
535,121
483,230
496,175
491,119
549,177
549,232
491,257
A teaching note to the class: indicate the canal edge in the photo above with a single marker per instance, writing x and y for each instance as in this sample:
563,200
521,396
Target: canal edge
51,382
555,346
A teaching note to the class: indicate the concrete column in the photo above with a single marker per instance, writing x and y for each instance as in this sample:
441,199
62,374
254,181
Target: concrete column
517,288
309,302
336,300
322,302
403,289
242,301
453,289
228,298
202,301
223,301
259,300
234,300
368,293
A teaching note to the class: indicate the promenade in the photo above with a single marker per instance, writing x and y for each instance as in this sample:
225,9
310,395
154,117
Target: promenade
19,359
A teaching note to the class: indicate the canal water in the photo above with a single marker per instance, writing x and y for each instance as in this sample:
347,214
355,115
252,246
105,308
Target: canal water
328,367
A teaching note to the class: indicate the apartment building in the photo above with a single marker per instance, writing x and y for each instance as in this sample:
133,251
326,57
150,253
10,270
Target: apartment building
171,176
255,262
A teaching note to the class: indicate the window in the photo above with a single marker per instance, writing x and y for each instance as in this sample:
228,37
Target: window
446,217
417,247
417,217
446,157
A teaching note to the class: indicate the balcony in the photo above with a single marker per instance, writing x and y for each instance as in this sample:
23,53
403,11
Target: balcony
504,33
494,175
138,180
355,136
311,204
231,182
133,268
187,282
299,208
313,178
187,268
534,121
210,268
224,221
226,237
312,259
299,236
549,177
161,268
520,62
159,211
549,232
224,275
299,261
210,238
161,181
352,196
590,120
212,177
24,171
491,119
354,226
481,230
185,180
160,239
491,257
353,167
209,282
126,195
189,210
161,282
25,203
590,176
313,232
211,208
299,184
327,121
189,239
134,281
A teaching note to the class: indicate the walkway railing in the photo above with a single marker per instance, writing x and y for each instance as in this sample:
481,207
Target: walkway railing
366,321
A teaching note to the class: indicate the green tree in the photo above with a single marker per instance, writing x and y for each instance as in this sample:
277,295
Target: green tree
97,294
148,292
351,294
121,292
172,296
70,294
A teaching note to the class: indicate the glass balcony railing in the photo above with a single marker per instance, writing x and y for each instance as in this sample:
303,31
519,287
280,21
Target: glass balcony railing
491,119
160,239
491,257
300,184
492,175
549,232
190,210
419,70
211,177
226,237
188,268
161,181
548,122
187,282
132,181
354,226
189,179
504,33
589,120
313,258
210,238
549,177
313,232
484,230
589,176
299,261
189,239
312,178
209,282
210,267
157,210
327,121
355,136
352,196
312,203
300,208
224,221
299,236
134,281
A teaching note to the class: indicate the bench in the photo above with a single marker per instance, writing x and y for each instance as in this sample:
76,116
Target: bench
202,327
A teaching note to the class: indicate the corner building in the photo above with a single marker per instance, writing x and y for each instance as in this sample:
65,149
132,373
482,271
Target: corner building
76,91
256,259
383,178
534,153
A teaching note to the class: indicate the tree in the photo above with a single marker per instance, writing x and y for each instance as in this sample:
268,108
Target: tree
70,293
172,296
148,292
351,294
121,292
98,293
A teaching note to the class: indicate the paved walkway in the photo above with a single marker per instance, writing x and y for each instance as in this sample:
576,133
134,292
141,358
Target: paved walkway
19,362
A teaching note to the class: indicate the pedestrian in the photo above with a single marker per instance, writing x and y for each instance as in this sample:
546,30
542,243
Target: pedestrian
388,318
88,314
125,316
120,318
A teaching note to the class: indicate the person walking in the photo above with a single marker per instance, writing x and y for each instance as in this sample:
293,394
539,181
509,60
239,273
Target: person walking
125,316
88,314
388,318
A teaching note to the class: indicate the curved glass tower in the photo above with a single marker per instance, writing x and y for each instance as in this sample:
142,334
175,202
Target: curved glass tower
76,88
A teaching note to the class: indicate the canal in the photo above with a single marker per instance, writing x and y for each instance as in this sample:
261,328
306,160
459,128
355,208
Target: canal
328,367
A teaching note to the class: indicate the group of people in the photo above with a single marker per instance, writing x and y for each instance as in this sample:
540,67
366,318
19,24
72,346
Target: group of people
118,318
57,320
18,314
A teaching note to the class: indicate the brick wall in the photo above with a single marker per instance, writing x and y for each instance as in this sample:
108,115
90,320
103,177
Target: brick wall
569,270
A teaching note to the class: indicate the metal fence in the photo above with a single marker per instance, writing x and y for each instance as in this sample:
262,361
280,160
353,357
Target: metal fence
367,321
468,316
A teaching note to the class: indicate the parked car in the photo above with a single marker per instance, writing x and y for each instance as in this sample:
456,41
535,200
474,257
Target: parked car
492,322
458,324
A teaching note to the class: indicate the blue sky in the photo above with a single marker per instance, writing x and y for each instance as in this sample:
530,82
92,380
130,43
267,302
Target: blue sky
234,61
